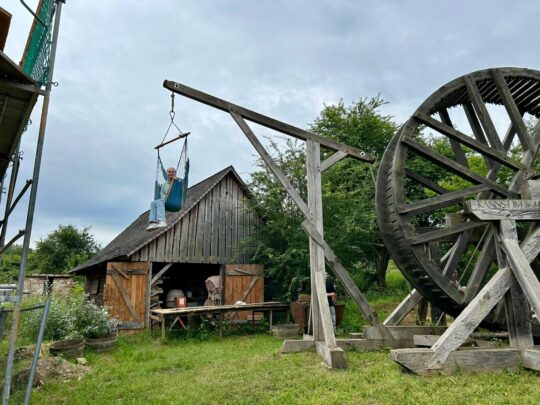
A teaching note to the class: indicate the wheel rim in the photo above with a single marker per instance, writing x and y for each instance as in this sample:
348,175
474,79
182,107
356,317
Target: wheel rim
425,249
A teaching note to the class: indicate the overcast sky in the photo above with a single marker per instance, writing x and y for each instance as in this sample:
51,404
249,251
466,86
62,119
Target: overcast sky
286,59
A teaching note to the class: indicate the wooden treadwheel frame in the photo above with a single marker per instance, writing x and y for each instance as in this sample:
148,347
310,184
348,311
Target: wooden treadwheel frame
428,255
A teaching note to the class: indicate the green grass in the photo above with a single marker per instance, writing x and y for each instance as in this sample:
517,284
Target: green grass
248,370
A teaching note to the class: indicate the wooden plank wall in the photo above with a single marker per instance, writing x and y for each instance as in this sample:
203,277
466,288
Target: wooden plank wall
210,233
236,283
135,284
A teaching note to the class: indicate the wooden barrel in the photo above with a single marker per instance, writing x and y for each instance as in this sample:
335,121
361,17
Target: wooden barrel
71,348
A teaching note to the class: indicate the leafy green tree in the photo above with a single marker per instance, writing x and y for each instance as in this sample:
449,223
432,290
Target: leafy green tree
62,249
9,264
348,200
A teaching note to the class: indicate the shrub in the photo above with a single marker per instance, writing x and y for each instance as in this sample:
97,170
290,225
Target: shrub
93,321
70,316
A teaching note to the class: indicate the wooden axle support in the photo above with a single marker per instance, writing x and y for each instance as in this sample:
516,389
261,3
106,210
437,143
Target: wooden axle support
321,254
514,284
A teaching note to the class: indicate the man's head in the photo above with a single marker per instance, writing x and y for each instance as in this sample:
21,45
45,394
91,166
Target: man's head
325,275
171,173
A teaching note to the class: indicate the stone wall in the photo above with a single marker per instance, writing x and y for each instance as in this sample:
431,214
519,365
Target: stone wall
37,285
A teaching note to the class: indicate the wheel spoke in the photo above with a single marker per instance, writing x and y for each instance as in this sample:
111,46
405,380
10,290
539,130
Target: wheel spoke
425,182
483,115
457,168
456,146
512,110
441,201
470,142
477,131
444,233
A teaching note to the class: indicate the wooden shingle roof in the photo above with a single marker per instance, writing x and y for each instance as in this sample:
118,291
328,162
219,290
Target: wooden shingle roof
135,236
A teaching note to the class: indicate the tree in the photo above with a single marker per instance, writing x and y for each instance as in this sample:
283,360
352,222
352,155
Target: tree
348,199
10,264
62,249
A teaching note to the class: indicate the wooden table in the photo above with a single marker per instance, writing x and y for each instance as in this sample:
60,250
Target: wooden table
162,314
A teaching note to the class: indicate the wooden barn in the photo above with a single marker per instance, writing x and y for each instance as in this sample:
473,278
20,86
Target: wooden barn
141,270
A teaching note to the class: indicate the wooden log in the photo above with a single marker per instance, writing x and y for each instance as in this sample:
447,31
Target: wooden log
475,360
471,317
518,318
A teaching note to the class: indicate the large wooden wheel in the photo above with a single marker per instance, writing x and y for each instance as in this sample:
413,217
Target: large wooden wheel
482,143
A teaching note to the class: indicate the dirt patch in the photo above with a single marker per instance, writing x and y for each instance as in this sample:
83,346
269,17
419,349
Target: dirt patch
49,368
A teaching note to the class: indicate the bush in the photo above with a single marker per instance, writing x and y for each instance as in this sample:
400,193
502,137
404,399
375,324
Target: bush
70,317
93,321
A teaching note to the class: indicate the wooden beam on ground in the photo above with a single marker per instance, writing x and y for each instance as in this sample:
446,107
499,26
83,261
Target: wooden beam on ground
297,346
471,317
474,360
531,359
265,120
334,357
404,307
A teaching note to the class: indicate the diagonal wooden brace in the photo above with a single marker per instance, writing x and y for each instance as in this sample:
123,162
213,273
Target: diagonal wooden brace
523,273
331,259
347,282
470,317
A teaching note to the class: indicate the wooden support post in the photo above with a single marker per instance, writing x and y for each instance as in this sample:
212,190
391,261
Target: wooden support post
331,259
148,296
322,321
523,273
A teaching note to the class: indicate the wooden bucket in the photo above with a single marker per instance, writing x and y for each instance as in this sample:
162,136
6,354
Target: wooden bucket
71,348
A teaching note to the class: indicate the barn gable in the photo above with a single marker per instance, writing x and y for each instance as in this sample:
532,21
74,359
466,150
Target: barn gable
209,233
209,229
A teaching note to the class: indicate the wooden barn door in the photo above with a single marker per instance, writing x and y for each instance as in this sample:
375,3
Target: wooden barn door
244,282
125,292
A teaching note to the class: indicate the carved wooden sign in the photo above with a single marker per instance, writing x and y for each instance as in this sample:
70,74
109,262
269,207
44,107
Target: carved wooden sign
492,210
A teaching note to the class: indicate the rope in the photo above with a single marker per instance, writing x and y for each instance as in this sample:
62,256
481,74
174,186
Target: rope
183,153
